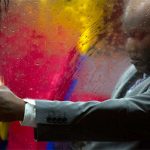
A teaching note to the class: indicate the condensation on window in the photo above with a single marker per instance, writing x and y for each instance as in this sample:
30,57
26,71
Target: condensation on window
60,50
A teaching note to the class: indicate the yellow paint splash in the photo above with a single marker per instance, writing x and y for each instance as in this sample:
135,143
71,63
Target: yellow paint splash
65,24
83,16
3,130
3,125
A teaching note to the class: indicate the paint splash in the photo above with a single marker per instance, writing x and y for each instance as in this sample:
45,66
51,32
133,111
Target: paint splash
3,125
85,17
40,43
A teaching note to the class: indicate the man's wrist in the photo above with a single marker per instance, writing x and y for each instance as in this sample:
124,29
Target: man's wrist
29,113
21,110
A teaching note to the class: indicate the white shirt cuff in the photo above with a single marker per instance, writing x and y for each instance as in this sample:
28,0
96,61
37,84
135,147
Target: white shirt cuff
29,114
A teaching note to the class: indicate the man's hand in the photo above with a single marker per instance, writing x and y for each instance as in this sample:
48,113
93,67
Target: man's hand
11,107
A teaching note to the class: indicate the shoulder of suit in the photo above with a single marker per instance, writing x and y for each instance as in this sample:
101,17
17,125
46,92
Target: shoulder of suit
129,70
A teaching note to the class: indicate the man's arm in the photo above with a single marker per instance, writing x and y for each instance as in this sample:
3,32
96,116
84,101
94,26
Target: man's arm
121,119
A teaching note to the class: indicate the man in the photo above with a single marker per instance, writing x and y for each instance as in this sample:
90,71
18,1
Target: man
124,117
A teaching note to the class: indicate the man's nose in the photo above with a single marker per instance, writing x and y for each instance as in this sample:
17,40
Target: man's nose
131,45
132,48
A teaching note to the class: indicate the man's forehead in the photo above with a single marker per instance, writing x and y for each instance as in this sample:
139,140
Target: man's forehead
137,5
137,15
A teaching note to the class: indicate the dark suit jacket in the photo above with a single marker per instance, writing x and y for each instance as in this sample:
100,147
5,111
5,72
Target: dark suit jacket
121,118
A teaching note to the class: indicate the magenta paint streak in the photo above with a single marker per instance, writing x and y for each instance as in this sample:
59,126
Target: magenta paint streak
30,71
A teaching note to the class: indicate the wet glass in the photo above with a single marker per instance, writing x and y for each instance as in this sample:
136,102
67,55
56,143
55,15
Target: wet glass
60,50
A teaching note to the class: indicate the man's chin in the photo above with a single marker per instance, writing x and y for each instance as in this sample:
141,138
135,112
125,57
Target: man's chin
142,69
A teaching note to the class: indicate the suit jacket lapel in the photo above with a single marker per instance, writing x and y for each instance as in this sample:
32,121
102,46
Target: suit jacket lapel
126,78
141,87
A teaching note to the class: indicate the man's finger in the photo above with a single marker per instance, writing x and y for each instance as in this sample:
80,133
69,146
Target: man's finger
2,86
1,81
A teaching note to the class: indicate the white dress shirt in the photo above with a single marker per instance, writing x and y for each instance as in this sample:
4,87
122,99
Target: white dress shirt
29,113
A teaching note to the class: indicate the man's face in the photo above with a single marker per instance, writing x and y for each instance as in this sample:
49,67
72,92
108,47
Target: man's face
138,48
138,42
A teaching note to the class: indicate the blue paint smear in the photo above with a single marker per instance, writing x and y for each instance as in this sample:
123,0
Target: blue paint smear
71,89
75,81
3,145
50,146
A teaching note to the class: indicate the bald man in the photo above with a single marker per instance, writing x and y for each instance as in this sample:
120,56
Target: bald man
124,118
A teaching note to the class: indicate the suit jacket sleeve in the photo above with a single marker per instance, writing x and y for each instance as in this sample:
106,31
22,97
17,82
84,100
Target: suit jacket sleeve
121,119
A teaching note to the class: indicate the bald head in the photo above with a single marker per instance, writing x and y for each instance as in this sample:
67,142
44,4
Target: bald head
136,22
137,14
